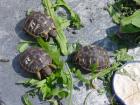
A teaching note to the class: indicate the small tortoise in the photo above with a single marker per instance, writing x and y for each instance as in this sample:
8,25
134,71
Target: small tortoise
91,55
35,60
39,24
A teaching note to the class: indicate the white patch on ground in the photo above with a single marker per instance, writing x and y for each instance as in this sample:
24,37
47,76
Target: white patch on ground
135,52
94,98
127,83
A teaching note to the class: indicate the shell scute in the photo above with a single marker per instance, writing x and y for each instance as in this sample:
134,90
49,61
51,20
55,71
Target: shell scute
90,55
38,23
34,59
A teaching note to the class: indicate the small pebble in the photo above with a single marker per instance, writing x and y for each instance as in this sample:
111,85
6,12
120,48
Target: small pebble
74,32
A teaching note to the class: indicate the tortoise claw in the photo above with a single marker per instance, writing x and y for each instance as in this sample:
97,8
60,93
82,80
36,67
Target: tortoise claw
38,75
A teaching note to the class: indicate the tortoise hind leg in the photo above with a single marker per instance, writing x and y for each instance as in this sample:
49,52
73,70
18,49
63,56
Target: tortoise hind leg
52,66
38,75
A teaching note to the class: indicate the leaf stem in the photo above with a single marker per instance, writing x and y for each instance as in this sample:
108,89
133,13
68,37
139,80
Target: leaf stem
71,85
60,38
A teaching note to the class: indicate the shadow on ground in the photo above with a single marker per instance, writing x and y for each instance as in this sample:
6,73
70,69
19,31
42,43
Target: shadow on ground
19,70
21,33
24,36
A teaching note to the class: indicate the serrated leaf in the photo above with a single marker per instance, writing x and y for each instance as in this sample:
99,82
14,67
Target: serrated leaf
41,83
122,56
74,18
45,91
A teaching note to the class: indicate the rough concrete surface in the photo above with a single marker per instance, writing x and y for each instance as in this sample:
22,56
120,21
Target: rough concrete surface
97,25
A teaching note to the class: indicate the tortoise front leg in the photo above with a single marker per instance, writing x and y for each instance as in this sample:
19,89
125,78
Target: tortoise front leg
52,32
46,71
52,66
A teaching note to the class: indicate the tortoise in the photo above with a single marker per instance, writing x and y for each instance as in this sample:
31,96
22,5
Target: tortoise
36,60
38,24
91,55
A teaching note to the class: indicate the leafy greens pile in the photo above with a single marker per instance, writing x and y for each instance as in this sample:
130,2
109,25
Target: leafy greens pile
126,13
60,84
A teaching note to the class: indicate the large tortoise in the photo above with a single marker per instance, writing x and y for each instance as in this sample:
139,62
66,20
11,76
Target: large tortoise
36,60
91,55
39,24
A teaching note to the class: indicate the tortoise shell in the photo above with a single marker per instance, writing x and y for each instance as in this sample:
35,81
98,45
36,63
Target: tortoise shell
34,59
39,24
90,55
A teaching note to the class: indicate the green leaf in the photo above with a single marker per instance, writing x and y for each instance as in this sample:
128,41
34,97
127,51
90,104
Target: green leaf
81,77
60,92
54,102
94,68
25,99
60,38
131,23
41,83
64,22
45,91
55,55
30,82
133,19
22,46
64,77
70,84
60,22
101,91
122,56
136,19
106,71
63,94
74,18
115,15
129,29
72,47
